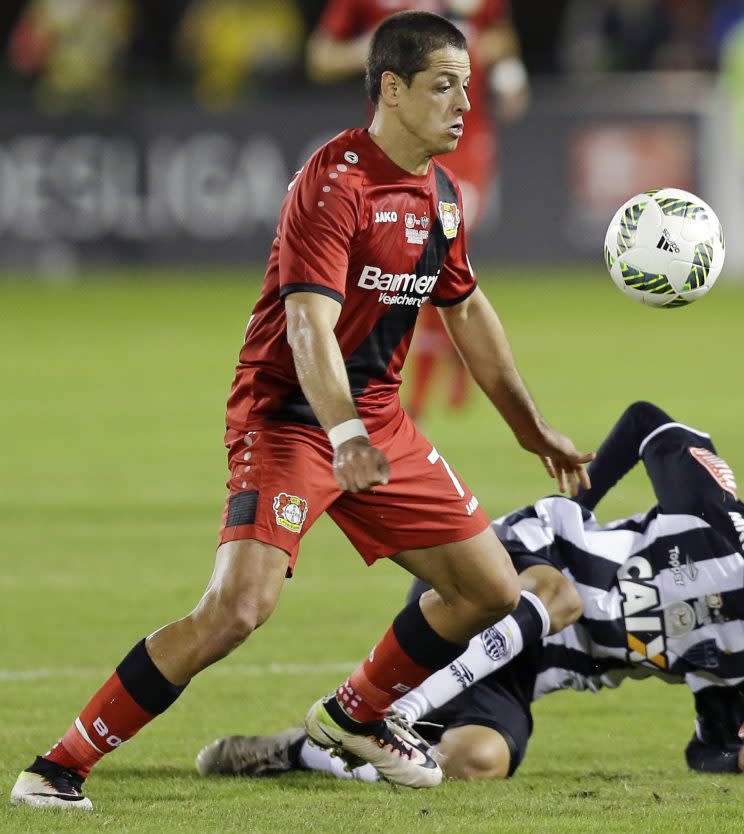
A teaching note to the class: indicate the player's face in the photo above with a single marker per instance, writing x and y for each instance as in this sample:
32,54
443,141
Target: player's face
432,108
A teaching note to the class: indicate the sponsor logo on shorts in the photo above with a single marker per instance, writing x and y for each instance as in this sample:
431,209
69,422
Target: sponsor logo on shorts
719,470
494,643
290,511
738,521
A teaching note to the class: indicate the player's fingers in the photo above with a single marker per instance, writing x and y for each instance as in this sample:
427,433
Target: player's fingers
384,471
583,477
741,732
341,479
560,476
548,464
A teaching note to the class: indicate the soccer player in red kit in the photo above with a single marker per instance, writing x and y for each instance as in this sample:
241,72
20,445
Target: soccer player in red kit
370,228
338,49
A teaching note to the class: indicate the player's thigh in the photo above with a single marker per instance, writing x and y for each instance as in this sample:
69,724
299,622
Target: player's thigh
474,752
686,472
472,570
247,579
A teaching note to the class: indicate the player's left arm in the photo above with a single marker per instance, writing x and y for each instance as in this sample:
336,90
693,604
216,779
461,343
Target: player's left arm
479,336
716,746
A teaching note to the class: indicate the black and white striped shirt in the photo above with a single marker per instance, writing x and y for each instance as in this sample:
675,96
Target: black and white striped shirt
663,595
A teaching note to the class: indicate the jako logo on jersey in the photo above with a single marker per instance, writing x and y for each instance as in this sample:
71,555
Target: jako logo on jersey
290,511
386,217
738,522
645,631
413,289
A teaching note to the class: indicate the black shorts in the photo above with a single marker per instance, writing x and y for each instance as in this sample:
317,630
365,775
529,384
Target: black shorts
689,477
501,701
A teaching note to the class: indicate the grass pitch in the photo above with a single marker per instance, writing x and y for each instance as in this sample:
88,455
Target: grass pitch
111,491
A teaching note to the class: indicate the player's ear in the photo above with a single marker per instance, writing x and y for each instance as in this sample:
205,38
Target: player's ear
390,85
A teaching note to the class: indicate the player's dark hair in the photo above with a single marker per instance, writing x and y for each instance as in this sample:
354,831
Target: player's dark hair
402,44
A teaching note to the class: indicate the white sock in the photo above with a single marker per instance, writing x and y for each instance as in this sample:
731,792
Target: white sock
316,758
487,652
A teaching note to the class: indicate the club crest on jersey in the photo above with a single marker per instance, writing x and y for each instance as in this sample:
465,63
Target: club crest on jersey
679,618
449,215
290,511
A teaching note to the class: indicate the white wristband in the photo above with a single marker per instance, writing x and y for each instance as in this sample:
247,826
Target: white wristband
345,431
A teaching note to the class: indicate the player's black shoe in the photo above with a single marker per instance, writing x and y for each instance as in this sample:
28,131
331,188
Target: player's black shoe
251,755
48,785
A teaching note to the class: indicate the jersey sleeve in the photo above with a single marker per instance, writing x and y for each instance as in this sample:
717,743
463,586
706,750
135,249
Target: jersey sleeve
315,232
341,20
457,279
490,12
528,539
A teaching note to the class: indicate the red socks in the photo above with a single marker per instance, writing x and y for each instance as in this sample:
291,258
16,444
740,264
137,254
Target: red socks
129,699
408,653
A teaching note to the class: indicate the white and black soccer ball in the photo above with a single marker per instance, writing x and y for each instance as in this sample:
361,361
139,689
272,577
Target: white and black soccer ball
665,247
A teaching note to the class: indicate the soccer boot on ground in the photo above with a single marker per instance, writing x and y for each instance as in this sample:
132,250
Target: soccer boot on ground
251,755
48,785
389,745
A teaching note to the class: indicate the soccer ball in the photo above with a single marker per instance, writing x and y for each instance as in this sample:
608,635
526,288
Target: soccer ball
664,247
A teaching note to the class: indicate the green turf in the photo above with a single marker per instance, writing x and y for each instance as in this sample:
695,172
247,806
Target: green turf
112,484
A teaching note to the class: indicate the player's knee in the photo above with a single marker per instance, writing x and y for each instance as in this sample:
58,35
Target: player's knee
564,606
557,593
646,415
496,599
487,758
230,619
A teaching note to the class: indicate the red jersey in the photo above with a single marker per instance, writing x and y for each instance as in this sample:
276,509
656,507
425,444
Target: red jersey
378,239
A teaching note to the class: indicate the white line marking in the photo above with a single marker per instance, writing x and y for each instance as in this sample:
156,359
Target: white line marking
256,670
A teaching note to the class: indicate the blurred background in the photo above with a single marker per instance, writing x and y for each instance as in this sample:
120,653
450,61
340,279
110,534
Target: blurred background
154,132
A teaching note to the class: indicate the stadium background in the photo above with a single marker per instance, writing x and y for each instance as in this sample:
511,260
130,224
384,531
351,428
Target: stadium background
144,150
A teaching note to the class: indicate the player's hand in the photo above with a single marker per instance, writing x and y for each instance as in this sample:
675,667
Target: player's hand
357,466
562,461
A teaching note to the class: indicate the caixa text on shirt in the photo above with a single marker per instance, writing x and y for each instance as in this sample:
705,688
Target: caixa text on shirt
409,288
644,628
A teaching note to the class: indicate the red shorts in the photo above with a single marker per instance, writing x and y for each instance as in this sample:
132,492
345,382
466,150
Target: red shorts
282,480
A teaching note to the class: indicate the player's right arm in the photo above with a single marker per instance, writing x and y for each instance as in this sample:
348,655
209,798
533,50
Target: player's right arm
321,372
329,59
